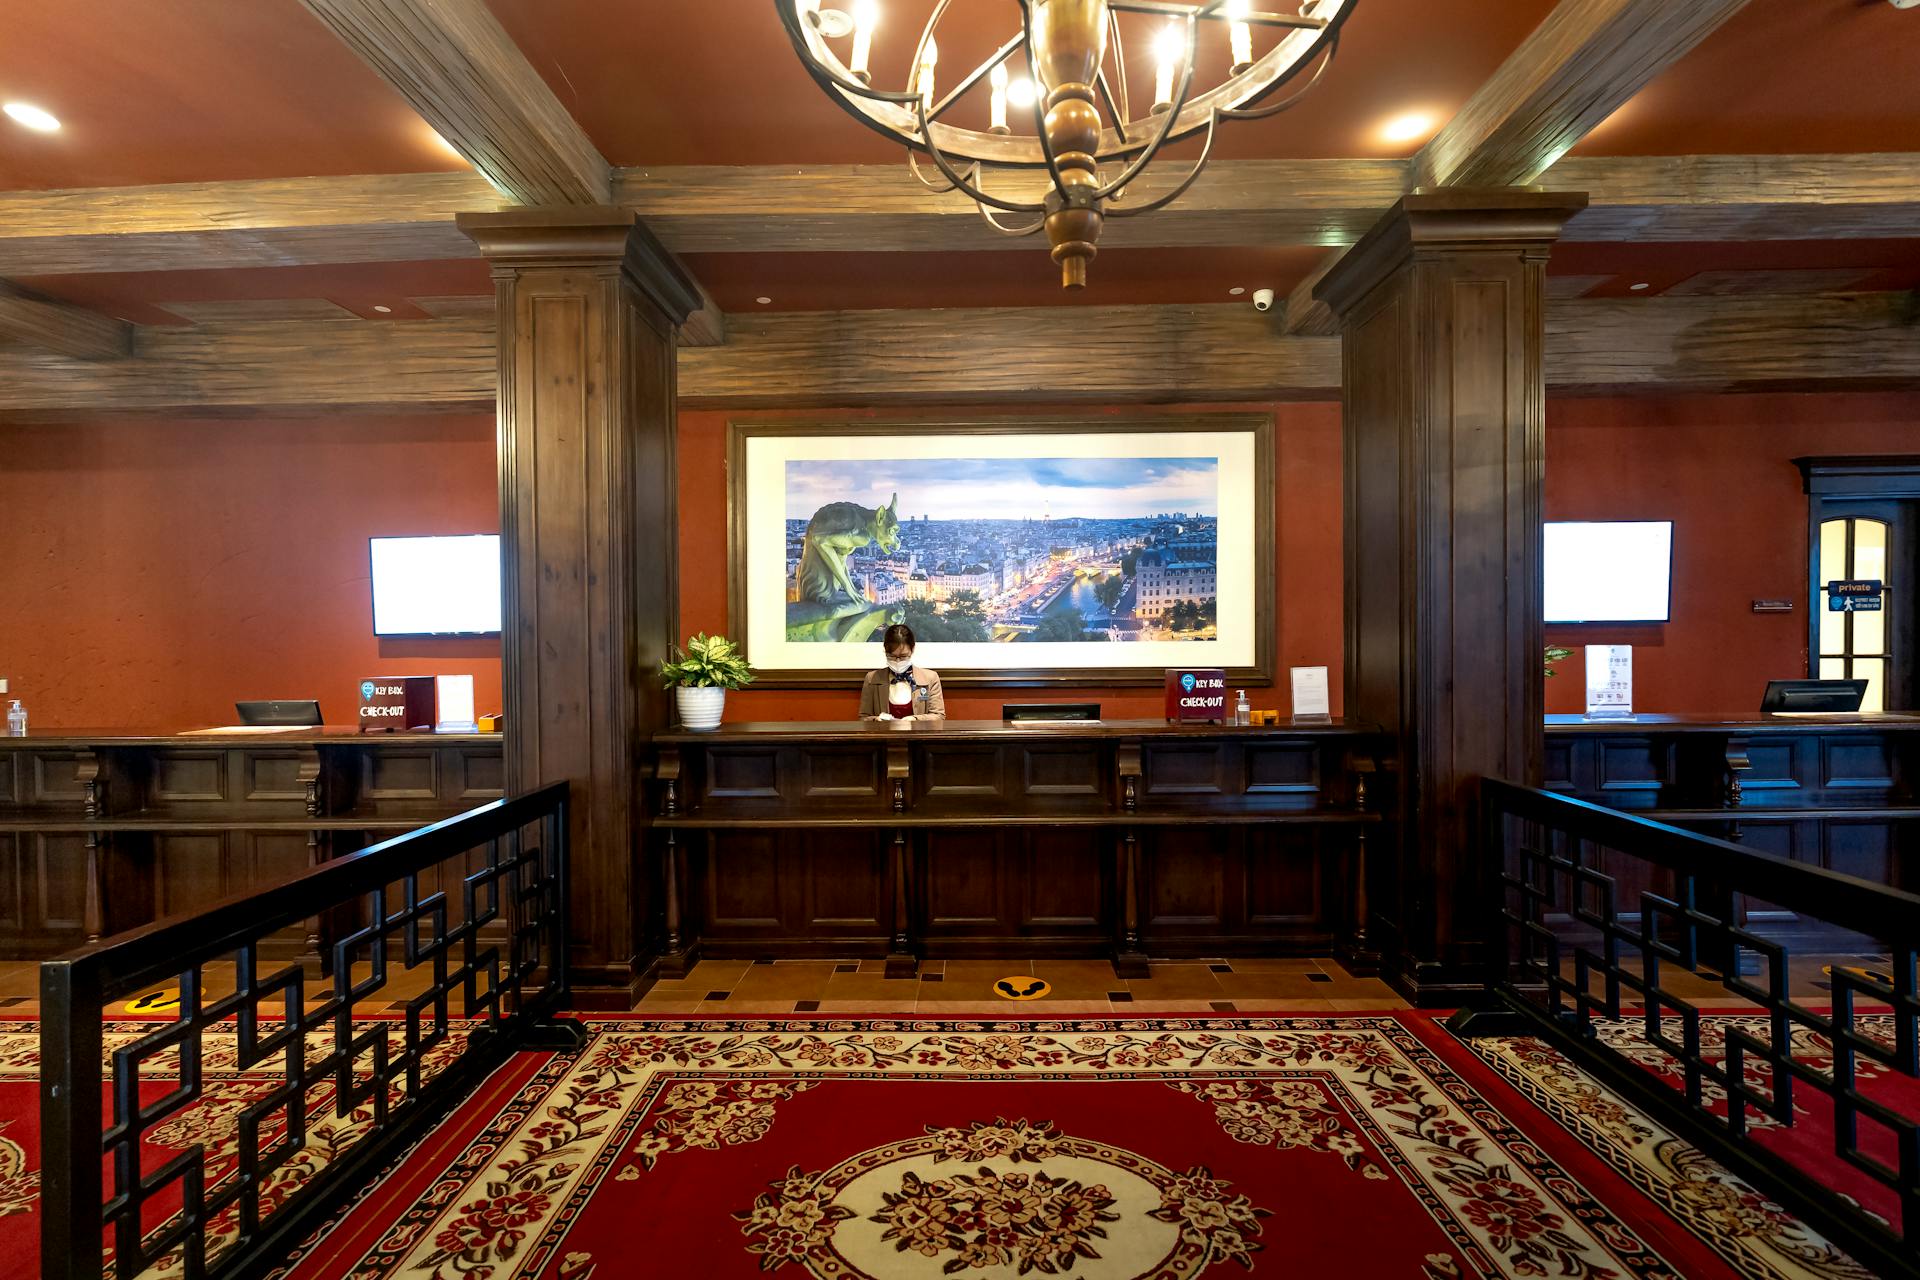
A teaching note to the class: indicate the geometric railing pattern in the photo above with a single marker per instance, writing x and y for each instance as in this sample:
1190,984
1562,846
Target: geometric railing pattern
1613,930
276,1088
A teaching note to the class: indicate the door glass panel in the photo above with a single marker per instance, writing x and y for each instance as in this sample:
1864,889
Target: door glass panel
1833,550
1833,627
1874,672
1869,549
1833,668
1870,630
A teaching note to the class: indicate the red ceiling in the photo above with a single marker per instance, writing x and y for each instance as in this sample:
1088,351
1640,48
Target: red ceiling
192,90
1782,77
180,90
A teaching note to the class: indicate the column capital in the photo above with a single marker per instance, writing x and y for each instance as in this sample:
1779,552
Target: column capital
575,237
1507,219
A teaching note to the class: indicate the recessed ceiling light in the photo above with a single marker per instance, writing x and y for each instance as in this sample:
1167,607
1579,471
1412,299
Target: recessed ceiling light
763,301
31,116
385,311
1636,287
1407,127
1236,291
446,146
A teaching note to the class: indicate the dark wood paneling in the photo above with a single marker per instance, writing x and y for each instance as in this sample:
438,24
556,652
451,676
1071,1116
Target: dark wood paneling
1185,770
963,878
400,775
276,776
1290,769
841,773
1063,771
481,774
743,883
743,773
1286,882
190,775
1064,879
1186,874
953,771
846,883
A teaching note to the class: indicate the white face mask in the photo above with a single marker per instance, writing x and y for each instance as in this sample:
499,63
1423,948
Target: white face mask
900,667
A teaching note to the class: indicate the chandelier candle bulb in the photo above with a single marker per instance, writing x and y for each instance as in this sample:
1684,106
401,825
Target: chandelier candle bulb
866,16
997,105
1240,33
924,78
1168,47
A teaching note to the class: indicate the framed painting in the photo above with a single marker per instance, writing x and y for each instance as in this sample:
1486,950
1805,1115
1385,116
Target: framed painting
1022,552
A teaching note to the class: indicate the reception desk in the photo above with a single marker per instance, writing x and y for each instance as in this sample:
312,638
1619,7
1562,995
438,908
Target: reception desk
984,838
102,831
1831,791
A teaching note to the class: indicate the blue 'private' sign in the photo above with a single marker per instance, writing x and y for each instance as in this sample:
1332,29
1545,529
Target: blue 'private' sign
1855,595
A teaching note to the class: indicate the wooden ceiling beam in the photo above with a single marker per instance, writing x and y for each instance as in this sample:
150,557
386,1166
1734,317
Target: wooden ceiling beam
1220,353
1576,68
409,217
60,327
1583,61
457,67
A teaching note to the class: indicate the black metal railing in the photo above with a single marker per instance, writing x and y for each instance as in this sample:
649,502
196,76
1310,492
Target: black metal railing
214,1141
1615,930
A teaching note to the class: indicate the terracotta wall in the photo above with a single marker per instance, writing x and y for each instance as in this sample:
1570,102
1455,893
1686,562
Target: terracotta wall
1721,468
1307,519
152,573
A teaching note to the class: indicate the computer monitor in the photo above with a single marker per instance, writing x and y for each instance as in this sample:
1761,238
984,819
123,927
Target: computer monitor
1813,695
1028,712
292,712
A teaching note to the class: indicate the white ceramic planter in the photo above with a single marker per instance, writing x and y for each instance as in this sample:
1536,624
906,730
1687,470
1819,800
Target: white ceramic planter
700,707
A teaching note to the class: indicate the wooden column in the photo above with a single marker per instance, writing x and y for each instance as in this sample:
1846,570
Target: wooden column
1440,308
588,305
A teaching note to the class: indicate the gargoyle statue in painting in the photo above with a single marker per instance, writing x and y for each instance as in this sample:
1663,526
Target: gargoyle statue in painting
827,606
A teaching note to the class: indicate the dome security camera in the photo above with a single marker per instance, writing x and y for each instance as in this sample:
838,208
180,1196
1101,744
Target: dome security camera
1263,299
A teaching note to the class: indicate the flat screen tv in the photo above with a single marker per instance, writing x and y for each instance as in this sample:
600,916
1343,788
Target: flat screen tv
436,586
1609,570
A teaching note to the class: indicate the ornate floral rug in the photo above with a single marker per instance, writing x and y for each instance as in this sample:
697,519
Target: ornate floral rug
1760,1238
1362,1146
1355,1147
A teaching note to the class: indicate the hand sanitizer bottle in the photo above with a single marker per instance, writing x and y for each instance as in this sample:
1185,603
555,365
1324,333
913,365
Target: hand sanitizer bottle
16,720
1242,710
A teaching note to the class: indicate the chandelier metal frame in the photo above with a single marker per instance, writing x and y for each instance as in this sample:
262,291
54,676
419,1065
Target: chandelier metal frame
1080,196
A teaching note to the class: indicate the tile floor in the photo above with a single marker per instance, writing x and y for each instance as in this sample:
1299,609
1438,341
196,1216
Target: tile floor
1299,985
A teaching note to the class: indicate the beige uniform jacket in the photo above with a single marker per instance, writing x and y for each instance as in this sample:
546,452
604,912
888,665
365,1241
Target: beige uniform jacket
932,706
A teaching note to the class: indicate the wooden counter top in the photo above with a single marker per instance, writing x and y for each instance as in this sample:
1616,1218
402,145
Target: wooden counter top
303,736
999,730
1755,722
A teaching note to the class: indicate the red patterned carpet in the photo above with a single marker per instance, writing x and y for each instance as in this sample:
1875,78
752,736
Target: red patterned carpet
1363,1146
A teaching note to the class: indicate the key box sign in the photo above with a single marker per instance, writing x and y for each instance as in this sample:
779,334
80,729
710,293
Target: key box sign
396,702
1197,694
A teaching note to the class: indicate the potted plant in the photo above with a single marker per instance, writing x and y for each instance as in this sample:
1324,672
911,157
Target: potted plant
700,676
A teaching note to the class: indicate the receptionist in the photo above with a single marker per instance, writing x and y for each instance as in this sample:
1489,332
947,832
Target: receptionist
900,690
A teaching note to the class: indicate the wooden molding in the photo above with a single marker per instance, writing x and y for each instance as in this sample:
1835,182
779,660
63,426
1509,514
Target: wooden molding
1583,61
455,64
706,327
1225,353
409,217
61,328
1306,314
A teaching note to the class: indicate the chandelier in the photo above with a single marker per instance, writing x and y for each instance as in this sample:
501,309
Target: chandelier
1082,131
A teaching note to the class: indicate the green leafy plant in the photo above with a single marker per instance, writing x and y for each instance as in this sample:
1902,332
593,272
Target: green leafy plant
1556,654
707,662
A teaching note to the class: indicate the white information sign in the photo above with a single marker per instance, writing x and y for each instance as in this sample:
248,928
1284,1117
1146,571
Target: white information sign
1310,700
1609,680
